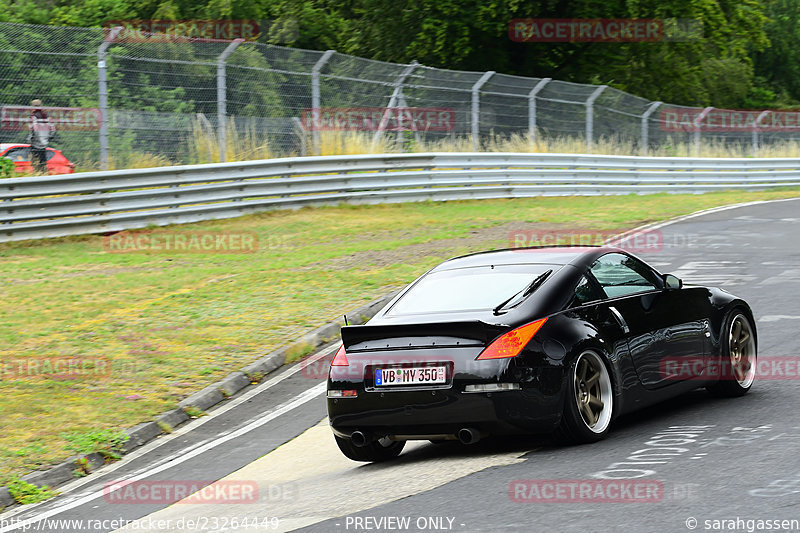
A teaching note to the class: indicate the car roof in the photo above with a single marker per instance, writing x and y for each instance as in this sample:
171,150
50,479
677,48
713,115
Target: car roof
6,146
578,256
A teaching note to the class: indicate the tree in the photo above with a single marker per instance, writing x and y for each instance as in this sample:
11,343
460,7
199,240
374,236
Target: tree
729,65
777,68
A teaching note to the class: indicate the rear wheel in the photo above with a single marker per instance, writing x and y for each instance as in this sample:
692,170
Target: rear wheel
738,361
378,450
590,401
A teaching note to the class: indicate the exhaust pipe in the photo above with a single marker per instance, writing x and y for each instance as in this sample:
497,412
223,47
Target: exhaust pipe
468,435
358,439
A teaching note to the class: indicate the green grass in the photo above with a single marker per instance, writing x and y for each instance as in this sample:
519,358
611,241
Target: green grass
168,324
106,442
24,492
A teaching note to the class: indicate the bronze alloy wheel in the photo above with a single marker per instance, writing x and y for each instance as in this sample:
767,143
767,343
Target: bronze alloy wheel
593,392
742,349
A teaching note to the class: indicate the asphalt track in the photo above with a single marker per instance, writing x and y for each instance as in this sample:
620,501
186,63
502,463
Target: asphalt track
717,464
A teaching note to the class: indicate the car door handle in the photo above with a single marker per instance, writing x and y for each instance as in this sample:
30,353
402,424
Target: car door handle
619,318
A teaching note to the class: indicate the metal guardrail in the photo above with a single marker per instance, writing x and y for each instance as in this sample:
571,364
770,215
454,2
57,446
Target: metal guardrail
100,202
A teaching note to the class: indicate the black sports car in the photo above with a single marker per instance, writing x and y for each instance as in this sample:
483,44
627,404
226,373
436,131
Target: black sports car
536,340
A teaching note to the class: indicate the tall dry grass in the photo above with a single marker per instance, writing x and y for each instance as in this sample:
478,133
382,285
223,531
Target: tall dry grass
246,144
120,161
354,142
575,145
241,144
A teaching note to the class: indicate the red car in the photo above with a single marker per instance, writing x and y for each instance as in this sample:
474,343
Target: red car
20,154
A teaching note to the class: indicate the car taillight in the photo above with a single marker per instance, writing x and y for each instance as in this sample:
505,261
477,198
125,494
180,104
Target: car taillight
340,359
511,343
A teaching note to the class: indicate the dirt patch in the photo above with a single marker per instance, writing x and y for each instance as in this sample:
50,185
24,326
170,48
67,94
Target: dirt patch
495,237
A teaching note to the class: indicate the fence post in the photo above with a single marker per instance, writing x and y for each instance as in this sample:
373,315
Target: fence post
476,103
645,126
697,120
102,89
316,99
755,131
401,102
298,128
397,93
532,107
590,115
222,135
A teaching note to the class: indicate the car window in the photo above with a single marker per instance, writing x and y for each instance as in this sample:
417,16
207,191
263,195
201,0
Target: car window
468,289
620,275
50,153
18,154
586,292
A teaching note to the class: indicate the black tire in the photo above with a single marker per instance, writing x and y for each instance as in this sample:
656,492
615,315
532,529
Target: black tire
374,452
737,357
577,425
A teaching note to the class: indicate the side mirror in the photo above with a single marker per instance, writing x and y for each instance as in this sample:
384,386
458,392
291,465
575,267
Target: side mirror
672,282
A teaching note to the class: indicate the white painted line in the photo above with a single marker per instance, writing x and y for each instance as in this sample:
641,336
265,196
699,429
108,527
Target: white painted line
284,408
324,484
657,225
280,410
149,470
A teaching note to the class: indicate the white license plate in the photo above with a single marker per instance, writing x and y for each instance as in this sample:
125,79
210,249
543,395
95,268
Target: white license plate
410,376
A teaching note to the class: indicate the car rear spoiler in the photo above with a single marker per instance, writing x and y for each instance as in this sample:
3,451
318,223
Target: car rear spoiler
396,336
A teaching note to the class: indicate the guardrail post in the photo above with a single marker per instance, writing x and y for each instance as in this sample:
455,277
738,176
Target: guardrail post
645,126
222,135
102,89
532,108
590,115
397,94
697,121
476,102
316,99
755,131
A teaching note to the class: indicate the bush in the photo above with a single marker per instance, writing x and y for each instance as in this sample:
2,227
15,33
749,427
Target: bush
6,168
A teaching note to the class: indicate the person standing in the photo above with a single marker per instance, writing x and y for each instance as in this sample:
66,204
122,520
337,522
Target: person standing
39,133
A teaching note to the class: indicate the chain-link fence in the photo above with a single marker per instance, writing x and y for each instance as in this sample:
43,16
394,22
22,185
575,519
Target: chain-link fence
194,101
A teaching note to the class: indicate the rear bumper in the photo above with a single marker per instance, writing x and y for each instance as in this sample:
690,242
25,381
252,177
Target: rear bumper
445,408
421,413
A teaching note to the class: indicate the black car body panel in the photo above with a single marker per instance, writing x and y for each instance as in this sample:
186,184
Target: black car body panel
635,334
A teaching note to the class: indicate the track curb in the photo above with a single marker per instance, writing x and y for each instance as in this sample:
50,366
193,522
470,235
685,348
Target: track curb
254,372
202,400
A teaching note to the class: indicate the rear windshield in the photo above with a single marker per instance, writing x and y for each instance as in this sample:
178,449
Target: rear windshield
468,289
